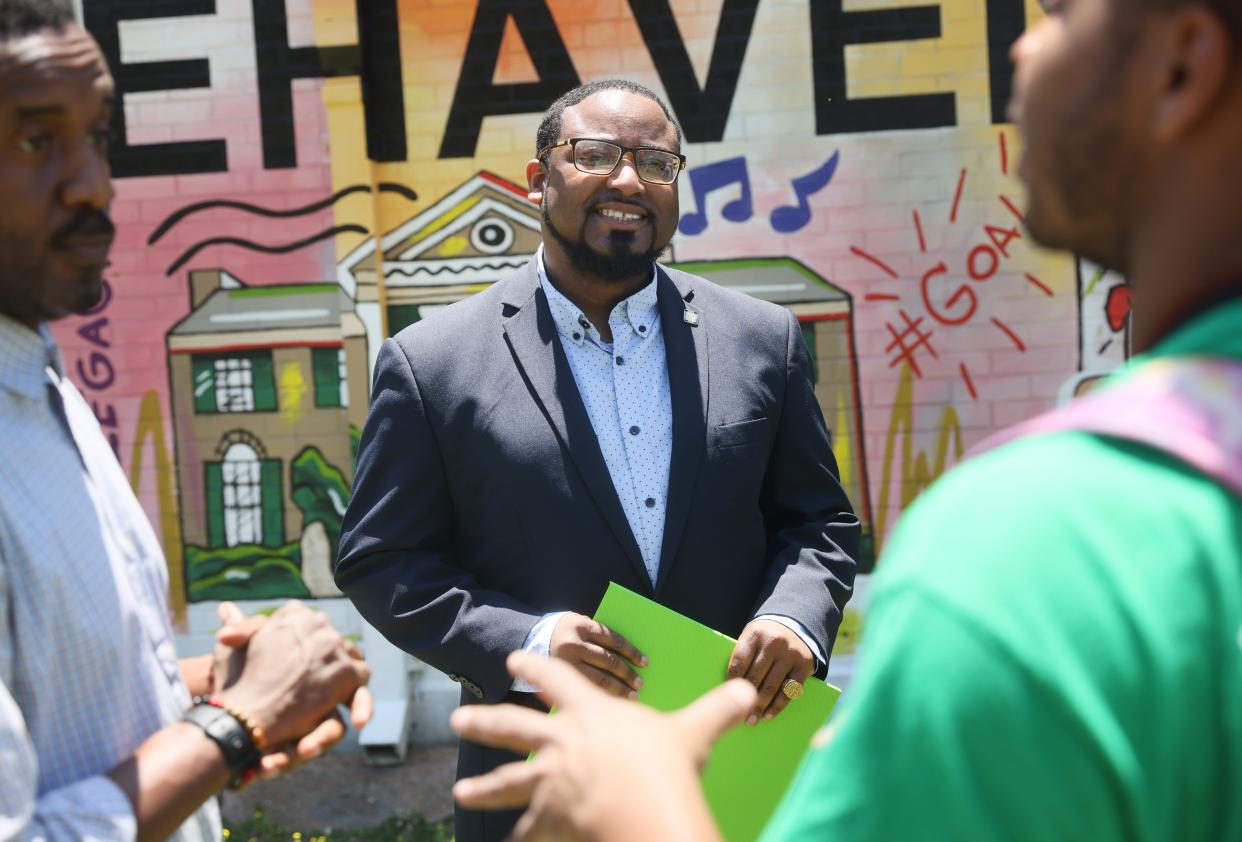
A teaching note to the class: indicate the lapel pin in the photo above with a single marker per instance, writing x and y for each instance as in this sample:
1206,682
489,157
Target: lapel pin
690,317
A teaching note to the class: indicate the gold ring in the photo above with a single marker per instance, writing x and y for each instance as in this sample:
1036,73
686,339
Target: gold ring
792,688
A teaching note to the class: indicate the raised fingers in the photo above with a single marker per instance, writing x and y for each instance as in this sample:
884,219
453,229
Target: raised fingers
511,727
504,788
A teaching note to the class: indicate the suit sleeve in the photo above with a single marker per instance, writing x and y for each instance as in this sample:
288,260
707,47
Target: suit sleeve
812,533
397,559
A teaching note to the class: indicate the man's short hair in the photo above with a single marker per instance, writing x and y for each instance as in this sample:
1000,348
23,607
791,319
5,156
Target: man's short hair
1230,11
550,127
19,18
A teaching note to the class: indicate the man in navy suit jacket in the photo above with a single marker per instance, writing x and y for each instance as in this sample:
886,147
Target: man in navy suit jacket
595,417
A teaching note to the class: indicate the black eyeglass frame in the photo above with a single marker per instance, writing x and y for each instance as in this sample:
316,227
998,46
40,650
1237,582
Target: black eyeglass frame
572,143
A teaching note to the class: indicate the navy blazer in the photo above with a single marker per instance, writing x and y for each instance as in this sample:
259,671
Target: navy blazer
481,499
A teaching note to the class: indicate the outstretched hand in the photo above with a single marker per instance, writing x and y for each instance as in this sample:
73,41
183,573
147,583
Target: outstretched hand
594,758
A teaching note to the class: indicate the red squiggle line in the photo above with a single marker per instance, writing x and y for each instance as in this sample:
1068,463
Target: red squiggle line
1012,208
1004,150
870,258
957,198
918,226
970,384
1040,285
1013,337
881,296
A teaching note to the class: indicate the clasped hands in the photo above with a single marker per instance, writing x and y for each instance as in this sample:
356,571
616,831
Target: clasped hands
767,655
289,673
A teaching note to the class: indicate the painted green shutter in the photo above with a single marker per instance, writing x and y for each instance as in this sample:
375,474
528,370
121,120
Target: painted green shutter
808,335
204,384
327,375
263,379
273,501
214,473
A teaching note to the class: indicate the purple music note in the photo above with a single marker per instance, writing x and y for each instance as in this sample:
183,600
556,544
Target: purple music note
790,218
704,180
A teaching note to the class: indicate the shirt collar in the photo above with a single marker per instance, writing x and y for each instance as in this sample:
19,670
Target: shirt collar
639,310
25,356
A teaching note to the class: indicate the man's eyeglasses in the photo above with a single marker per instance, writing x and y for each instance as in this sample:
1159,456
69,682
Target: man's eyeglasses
600,157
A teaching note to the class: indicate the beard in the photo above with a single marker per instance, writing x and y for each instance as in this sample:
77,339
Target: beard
619,263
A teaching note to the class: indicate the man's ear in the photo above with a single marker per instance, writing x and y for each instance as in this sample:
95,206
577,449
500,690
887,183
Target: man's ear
1197,58
536,178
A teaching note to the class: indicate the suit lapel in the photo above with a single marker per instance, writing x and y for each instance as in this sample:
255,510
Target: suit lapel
686,348
533,340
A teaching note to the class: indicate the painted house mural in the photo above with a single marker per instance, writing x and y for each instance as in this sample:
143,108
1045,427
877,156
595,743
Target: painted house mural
297,179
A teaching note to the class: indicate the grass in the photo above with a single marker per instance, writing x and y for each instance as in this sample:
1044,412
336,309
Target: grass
409,827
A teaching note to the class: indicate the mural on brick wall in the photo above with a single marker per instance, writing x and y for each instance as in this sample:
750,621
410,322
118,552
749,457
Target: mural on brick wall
297,179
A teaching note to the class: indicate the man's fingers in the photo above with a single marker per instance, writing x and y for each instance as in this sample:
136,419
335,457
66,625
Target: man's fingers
361,706
321,738
610,662
609,639
607,682
510,727
561,685
772,689
504,788
781,701
230,614
743,655
705,720
758,675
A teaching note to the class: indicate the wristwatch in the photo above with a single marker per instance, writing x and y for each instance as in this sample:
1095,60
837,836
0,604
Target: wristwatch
241,755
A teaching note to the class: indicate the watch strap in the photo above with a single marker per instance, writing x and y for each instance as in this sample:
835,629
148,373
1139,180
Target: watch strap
241,755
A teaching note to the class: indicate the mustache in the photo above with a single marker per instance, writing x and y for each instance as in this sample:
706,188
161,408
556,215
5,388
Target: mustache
85,223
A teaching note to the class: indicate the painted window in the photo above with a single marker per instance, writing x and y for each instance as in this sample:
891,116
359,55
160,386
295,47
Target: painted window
331,388
235,382
245,504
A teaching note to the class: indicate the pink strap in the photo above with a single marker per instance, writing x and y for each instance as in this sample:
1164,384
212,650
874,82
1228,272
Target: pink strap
1188,408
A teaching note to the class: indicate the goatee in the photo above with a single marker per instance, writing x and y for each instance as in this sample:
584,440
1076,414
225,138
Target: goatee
618,264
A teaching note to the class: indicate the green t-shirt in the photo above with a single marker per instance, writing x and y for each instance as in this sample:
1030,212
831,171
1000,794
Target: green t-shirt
1053,652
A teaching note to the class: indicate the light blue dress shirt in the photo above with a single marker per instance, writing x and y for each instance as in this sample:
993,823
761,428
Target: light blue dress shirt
87,665
624,386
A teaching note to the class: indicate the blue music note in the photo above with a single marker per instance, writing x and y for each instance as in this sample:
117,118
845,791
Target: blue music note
790,218
704,180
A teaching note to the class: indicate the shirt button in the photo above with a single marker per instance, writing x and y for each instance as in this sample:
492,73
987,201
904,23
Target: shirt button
620,360
634,430
650,501
577,337
642,328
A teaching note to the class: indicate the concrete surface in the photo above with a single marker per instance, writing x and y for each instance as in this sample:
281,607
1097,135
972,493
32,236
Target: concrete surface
340,790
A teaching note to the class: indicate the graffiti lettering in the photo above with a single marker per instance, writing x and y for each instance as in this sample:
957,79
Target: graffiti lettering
832,30
972,263
702,113
102,373
477,97
377,61
962,292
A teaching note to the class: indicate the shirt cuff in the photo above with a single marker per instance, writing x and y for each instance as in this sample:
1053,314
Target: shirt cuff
538,642
800,630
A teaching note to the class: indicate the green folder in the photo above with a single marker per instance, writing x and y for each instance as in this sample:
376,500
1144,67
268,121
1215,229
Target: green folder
750,768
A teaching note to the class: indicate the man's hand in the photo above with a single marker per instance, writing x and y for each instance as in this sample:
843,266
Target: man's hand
766,655
292,673
599,653
231,639
591,777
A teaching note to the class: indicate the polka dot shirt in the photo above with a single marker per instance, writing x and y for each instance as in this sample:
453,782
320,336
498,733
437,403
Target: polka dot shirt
624,385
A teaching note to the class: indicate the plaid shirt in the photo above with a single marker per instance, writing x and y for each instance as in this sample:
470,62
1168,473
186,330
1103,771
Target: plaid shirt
88,670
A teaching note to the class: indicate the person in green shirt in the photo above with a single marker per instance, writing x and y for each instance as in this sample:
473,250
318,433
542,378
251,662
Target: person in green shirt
1054,648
